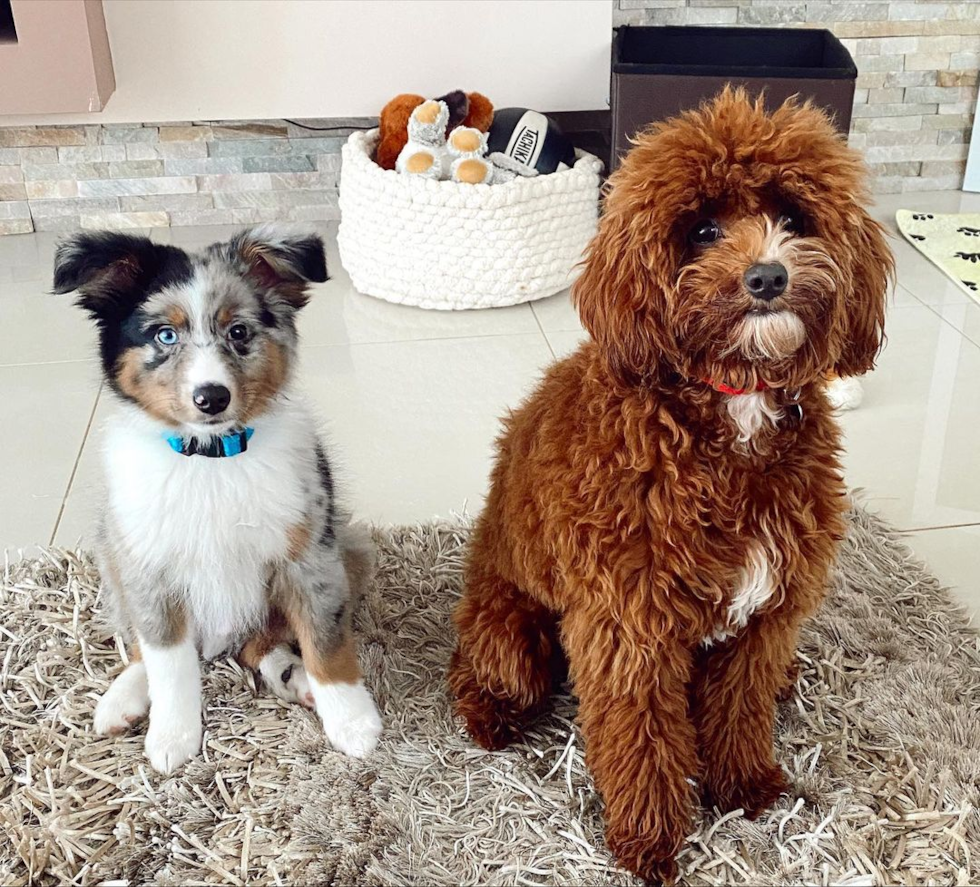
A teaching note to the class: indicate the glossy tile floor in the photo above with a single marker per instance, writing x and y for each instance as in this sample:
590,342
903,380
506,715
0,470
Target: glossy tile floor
410,400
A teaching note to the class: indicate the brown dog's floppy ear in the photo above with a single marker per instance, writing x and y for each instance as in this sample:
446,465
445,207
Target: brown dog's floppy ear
864,306
619,298
111,271
281,261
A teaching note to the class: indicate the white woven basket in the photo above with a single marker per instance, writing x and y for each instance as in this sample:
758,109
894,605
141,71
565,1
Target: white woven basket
450,245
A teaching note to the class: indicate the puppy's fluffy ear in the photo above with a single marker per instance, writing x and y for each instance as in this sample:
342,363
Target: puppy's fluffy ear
280,261
864,307
110,271
621,299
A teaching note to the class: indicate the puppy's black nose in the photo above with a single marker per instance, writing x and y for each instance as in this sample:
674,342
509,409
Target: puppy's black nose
766,281
211,399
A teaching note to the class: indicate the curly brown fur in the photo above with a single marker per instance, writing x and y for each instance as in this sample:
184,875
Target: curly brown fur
670,536
479,115
393,128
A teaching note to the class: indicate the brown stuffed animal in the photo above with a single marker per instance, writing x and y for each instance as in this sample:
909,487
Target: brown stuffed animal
465,109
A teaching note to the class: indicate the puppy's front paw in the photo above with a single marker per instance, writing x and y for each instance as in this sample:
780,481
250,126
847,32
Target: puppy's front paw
350,718
124,703
172,740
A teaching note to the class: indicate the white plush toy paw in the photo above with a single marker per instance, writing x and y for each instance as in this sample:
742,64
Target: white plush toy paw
472,171
468,147
427,123
466,141
425,152
422,160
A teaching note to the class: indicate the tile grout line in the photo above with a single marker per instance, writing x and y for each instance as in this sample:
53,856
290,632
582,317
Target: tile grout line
47,363
935,309
941,527
952,326
547,341
898,284
305,344
74,468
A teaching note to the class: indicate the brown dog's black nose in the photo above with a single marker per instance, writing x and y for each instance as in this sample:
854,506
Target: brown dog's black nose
766,281
211,399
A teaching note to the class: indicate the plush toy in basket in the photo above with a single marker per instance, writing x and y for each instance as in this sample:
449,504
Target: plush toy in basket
460,137
465,109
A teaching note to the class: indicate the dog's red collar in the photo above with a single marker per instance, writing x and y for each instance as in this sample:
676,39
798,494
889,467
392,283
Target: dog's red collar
727,389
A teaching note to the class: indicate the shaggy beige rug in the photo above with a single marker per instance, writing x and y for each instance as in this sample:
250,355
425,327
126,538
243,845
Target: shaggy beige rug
882,739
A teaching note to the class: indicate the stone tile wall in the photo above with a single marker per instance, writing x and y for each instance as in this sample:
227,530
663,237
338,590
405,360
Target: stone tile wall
917,73
60,178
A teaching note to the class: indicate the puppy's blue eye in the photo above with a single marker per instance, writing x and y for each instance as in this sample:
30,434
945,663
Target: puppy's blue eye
167,335
705,232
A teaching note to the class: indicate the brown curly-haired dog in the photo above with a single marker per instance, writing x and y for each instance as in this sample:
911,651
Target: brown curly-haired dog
666,506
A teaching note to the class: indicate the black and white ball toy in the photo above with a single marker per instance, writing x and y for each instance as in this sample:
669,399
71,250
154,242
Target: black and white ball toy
529,141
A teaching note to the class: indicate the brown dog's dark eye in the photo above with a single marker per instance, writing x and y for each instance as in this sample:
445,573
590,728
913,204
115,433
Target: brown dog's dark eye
238,332
793,221
705,232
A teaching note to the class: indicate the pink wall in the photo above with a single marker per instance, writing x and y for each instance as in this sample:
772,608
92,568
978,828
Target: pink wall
60,62
267,59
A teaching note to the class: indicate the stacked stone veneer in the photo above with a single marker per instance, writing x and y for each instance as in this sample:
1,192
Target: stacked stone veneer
917,66
60,178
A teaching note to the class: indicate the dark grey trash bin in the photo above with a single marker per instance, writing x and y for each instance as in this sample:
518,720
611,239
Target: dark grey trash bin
658,72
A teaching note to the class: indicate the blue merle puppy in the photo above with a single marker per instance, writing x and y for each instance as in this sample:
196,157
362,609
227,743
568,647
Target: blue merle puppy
220,531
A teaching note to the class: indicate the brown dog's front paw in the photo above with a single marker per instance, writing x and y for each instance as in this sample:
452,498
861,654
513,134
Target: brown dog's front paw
492,722
651,859
754,794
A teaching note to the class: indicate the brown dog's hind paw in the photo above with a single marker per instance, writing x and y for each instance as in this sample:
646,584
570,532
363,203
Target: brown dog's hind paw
788,688
754,795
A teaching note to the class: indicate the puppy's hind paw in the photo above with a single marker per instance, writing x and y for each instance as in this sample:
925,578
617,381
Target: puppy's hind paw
845,393
283,673
350,718
125,702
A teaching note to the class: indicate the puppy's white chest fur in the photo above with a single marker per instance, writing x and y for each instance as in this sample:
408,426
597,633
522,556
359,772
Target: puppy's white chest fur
756,585
211,526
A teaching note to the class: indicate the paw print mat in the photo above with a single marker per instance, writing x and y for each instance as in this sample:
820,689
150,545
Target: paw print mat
952,242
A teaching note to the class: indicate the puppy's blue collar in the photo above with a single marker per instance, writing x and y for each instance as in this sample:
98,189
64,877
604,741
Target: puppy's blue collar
216,447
